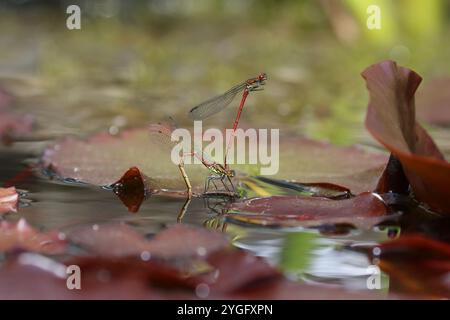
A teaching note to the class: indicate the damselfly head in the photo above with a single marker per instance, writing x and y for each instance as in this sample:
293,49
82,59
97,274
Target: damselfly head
256,84
262,77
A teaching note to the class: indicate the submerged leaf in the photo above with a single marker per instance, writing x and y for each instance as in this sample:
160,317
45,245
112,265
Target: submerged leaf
391,120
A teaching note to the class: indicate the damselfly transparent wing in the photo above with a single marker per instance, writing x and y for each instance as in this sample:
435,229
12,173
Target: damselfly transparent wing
160,134
215,104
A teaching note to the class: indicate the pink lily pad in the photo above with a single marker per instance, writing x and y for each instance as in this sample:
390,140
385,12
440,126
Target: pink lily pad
103,159
309,161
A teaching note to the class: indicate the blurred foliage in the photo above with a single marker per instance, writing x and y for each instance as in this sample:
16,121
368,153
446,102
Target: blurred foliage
159,58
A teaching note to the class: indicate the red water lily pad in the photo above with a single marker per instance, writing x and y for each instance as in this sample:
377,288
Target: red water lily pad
416,265
8,200
391,120
103,159
20,235
363,210
309,161
178,241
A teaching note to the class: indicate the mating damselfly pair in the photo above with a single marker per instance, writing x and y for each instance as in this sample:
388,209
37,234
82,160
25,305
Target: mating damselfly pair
219,172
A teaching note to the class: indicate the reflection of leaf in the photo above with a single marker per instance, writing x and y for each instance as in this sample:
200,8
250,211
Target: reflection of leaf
297,250
8,200
21,236
416,265
363,210
391,120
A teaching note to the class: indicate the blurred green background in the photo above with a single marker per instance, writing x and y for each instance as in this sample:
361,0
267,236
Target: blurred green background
135,62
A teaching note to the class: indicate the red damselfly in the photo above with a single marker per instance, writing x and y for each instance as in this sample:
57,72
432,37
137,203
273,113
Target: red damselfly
220,102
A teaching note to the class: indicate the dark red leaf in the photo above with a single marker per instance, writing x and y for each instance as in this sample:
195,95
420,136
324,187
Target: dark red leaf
393,178
391,120
362,210
131,189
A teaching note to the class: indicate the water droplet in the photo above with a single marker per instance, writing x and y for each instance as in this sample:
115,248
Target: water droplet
201,251
202,290
113,130
145,255
95,227
376,251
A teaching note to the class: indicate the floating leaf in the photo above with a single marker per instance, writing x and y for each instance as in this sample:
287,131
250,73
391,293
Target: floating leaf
308,161
391,120
363,210
103,159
